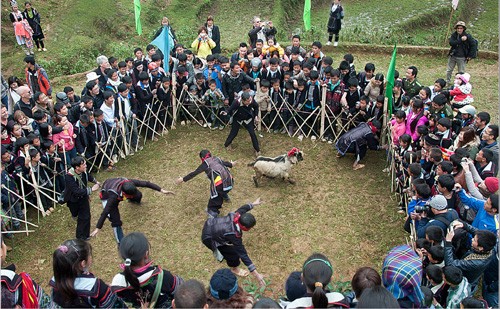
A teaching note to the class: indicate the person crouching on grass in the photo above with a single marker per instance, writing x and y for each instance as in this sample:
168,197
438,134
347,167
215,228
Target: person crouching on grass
358,140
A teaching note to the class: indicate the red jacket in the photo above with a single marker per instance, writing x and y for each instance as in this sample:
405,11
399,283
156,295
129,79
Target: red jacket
42,78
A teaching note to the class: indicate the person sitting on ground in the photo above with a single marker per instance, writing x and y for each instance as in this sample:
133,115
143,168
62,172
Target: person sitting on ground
378,297
317,273
363,279
401,275
139,281
73,285
225,292
477,259
190,294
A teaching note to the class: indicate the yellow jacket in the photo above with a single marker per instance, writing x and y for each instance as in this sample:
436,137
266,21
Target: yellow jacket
267,50
203,47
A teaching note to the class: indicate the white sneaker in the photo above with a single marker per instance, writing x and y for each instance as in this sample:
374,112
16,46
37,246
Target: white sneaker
335,43
141,148
205,125
131,153
301,137
313,138
323,139
385,170
328,43
183,123
330,141
122,155
114,158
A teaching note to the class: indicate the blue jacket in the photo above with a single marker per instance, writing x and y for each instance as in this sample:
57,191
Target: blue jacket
483,220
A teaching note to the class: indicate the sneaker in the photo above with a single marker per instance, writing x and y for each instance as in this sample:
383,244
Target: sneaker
122,155
276,131
401,210
336,44
205,125
229,148
188,121
313,138
141,148
323,139
131,152
183,123
221,128
283,131
301,137
214,127
44,49
330,141
51,209
385,170
114,158
328,43
39,49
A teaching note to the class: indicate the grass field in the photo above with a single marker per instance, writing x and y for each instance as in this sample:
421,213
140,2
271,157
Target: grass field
349,216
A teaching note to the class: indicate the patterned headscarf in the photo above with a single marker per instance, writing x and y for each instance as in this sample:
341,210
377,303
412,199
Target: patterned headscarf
402,274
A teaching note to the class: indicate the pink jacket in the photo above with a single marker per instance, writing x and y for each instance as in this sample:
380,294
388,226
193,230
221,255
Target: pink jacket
67,136
422,121
397,130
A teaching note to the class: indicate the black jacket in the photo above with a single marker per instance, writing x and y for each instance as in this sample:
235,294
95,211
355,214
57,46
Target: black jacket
252,34
233,84
463,49
76,192
471,268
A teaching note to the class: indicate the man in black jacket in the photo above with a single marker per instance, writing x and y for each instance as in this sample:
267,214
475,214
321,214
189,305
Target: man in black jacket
223,235
77,195
232,82
463,48
245,112
260,30
115,190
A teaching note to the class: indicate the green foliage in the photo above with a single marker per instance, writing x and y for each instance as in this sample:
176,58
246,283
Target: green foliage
253,288
340,286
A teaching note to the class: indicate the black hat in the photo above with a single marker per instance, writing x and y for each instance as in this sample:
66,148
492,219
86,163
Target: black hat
223,284
4,150
440,99
431,140
445,122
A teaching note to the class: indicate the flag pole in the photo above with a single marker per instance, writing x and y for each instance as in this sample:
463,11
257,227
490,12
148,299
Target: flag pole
449,24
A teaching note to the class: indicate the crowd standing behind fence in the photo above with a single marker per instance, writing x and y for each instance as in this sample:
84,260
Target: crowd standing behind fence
439,148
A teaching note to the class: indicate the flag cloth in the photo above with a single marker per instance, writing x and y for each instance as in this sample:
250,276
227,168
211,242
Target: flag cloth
454,4
390,82
307,14
165,43
137,10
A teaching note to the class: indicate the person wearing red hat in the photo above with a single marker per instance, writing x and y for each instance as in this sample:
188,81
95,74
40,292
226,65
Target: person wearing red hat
478,188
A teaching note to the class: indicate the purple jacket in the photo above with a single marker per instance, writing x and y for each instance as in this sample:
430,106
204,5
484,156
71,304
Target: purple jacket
422,121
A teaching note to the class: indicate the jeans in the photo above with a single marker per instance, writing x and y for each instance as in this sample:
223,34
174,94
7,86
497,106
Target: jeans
452,61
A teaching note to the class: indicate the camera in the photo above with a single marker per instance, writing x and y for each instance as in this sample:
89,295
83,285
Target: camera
421,209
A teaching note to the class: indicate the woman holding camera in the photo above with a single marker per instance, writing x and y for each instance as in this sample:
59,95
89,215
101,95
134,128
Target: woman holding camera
203,45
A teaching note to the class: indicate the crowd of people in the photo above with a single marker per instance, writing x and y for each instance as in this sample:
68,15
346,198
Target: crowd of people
443,152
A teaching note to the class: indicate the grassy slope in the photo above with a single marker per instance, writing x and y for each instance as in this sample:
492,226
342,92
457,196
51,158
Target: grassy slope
316,215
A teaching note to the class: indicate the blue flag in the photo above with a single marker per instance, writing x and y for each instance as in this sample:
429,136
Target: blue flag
165,43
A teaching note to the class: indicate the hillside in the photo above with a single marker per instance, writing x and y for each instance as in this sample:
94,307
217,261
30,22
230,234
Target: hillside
76,32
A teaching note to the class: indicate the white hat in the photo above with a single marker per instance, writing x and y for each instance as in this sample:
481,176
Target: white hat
468,109
92,76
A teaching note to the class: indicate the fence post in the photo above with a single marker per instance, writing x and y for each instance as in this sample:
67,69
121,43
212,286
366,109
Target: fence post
174,101
323,106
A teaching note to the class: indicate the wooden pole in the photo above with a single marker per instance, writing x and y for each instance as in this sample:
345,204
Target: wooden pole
323,105
449,24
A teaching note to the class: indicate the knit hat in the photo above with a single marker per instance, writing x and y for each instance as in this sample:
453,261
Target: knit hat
223,284
431,139
468,109
492,184
438,202
465,77
440,99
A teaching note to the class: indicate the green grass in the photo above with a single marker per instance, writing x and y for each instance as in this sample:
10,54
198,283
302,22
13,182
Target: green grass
349,216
